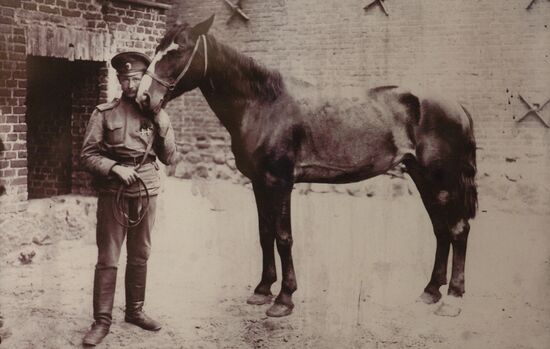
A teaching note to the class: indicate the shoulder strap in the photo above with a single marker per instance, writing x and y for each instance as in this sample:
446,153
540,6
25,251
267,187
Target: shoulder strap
108,105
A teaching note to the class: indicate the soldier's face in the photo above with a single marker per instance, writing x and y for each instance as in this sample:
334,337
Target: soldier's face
130,84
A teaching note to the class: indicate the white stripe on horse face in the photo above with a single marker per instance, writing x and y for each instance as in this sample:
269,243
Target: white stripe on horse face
144,84
146,81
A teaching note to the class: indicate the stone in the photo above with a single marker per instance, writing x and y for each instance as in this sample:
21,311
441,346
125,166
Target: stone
219,159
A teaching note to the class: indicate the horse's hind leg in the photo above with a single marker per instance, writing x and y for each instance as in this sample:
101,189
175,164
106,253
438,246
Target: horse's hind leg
459,240
450,197
439,274
262,292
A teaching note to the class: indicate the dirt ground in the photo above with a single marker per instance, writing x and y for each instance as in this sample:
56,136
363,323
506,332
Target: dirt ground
361,264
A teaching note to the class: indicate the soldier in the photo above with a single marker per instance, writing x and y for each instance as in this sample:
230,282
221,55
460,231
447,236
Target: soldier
120,148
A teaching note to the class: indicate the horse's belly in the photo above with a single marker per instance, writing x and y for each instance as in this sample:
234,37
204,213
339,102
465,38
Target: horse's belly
350,142
333,169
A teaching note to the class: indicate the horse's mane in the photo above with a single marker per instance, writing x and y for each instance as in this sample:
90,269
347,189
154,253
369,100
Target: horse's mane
250,76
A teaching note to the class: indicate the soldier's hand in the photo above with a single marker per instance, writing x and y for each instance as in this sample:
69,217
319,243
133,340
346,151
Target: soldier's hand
127,175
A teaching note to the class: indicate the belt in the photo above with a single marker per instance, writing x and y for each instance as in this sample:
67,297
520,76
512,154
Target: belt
135,161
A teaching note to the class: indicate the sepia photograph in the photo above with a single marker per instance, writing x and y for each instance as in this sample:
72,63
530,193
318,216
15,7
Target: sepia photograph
370,174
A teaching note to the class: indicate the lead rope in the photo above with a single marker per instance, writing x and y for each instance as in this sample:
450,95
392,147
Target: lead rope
120,208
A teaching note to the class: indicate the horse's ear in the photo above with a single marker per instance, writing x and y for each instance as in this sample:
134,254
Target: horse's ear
203,27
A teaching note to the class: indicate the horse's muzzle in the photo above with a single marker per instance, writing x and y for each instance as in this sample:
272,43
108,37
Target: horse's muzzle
144,100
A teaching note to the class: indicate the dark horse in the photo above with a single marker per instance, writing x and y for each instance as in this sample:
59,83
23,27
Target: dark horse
280,138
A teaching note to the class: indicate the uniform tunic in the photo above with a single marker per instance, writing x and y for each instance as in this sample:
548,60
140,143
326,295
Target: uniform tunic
118,134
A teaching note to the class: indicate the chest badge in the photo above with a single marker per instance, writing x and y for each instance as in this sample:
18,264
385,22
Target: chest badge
145,131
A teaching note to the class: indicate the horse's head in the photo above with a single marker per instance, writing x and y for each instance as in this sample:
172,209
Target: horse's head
180,63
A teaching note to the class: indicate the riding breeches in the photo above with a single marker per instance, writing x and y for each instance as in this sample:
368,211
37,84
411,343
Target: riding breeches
110,234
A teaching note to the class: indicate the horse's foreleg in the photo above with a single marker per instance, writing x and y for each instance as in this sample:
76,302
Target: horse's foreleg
280,209
262,292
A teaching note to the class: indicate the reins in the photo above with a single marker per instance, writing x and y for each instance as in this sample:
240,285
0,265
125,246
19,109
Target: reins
119,211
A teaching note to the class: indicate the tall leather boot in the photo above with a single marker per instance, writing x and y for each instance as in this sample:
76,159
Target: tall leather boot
104,295
135,280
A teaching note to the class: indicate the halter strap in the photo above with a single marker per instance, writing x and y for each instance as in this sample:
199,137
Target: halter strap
172,86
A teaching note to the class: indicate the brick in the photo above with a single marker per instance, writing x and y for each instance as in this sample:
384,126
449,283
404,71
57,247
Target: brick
48,9
10,3
4,28
19,181
20,128
19,74
18,39
11,119
129,21
70,13
7,155
112,18
18,163
19,146
92,16
21,49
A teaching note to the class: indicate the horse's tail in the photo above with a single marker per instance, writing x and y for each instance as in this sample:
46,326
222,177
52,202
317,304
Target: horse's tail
467,187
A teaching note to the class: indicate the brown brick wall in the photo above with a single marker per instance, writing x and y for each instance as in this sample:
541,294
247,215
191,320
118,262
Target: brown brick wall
73,30
483,52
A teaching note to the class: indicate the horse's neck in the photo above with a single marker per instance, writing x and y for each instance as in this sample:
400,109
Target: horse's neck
227,106
233,82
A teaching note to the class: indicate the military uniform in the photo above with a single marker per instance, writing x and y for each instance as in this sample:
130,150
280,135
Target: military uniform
118,133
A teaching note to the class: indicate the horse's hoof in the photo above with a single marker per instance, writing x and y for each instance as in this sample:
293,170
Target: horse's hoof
259,299
279,310
451,306
429,298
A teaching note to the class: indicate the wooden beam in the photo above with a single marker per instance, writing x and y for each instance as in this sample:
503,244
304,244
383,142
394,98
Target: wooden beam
146,3
237,9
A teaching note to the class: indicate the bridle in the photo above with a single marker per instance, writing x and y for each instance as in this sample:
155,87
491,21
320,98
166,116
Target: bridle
171,86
